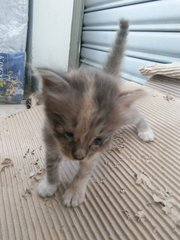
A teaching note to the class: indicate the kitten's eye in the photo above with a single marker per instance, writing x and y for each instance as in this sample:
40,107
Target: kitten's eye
68,135
98,141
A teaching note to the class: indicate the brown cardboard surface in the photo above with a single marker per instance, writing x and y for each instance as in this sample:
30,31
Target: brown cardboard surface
134,192
169,86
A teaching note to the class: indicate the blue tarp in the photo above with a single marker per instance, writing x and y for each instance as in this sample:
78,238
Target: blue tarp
11,77
13,33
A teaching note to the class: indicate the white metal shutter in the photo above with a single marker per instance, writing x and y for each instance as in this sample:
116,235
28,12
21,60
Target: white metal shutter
154,35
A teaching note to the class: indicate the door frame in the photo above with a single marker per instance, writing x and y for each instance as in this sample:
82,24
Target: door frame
76,31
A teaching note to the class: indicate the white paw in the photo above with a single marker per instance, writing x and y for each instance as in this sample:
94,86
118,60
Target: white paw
46,189
74,197
146,136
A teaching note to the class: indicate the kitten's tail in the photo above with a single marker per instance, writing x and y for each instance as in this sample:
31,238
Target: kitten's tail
114,60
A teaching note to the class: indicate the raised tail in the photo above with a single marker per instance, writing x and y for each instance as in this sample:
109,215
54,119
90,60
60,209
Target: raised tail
114,60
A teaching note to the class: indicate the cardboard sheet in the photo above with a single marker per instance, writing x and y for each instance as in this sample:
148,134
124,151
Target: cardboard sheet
169,86
134,192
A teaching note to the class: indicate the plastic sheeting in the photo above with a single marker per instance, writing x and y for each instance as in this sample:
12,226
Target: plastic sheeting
13,25
13,34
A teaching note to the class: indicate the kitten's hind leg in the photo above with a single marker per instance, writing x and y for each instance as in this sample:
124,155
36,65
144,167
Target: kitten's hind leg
144,131
34,100
75,194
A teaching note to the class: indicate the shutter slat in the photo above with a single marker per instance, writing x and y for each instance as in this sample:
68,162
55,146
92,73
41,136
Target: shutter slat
94,5
154,33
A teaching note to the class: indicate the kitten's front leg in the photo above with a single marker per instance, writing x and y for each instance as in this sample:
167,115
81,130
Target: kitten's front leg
49,184
75,194
144,131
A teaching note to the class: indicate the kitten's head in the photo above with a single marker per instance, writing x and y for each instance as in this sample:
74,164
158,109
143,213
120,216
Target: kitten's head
84,108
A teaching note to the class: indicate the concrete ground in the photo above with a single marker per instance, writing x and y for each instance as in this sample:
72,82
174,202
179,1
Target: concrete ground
8,109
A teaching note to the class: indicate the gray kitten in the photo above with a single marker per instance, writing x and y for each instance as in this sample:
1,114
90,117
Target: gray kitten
83,110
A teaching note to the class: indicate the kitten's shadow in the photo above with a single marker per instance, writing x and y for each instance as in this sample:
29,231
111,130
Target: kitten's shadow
67,171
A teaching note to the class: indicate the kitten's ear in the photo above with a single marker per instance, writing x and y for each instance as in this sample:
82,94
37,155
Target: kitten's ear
128,98
52,81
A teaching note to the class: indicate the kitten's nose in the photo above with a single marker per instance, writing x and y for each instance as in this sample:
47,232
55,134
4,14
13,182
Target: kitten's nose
79,154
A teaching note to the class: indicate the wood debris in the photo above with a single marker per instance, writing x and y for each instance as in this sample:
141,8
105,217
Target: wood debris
32,174
26,153
7,162
140,215
33,152
28,191
169,97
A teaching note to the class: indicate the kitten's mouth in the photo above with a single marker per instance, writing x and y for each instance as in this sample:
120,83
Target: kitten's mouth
78,159
70,157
